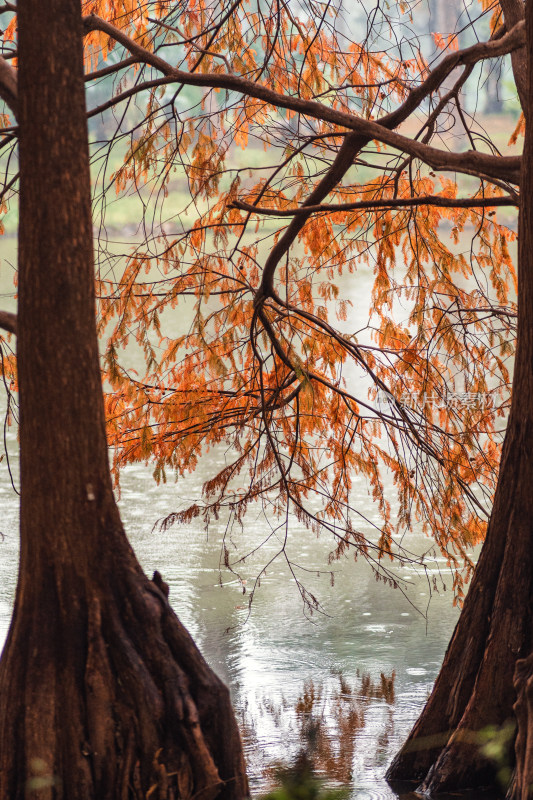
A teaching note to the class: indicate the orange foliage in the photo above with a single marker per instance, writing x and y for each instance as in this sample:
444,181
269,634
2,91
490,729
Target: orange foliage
275,374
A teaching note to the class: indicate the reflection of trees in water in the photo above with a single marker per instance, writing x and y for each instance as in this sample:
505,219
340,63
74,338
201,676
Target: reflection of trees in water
300,782
323,722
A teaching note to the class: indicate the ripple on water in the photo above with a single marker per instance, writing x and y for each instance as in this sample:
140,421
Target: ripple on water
379,790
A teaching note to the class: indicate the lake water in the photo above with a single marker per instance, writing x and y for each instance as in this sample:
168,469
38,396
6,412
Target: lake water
347,683
270,656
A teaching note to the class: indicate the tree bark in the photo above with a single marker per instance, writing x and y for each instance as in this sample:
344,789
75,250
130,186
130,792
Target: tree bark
475,687
522,784
103,692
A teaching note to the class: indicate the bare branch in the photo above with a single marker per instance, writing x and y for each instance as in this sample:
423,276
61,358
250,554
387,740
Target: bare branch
8,321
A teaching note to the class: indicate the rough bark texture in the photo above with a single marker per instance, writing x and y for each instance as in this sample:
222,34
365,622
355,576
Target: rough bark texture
522,785
475,686
103,693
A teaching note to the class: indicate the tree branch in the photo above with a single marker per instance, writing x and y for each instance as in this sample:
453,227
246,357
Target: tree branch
109,70
501,167
128,93
8,85
351,145
8,321
498,46
400,202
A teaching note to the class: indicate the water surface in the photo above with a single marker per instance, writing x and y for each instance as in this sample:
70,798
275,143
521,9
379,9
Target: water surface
274,653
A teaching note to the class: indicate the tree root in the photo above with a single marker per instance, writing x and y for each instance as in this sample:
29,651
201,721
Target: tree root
138,715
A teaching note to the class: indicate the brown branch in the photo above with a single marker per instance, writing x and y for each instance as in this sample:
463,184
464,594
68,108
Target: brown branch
351,145
362,130
128,93
216,27
8,85
407,202
503,168
407,425
498,46
101,73
8,321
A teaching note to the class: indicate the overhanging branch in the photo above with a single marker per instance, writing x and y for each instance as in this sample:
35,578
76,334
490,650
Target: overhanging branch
8,321
506,168
407,202
498,46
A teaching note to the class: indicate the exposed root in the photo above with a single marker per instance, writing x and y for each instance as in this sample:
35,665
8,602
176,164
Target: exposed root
138,715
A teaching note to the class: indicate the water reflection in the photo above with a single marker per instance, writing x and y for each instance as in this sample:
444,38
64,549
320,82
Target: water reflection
282,666
323,723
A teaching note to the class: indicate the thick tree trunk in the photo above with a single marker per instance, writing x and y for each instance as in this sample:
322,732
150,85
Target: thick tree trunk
475,686
475,689
103,693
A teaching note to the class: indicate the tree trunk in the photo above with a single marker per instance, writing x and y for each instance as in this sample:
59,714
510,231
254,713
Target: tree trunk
103,692
522,784
475,688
